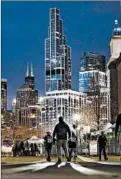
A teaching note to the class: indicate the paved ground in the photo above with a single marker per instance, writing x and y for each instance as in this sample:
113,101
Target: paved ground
51,170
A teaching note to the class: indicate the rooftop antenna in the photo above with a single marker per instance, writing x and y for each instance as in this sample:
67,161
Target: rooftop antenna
32,74
27,71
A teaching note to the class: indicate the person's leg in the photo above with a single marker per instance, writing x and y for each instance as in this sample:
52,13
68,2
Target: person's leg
59,145
47,153
70,153
75,154
104,153
64,145
100,151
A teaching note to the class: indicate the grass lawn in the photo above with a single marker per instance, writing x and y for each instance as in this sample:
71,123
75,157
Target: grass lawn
27,159
110,158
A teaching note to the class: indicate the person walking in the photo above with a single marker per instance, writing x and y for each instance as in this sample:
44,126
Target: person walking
26,148
118,124
60,132
118,131
48,145
73,144
33,147
102,141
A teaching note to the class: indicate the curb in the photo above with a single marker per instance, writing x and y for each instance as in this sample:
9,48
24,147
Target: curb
103,163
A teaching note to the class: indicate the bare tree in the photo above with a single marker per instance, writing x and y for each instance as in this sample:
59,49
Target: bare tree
15,133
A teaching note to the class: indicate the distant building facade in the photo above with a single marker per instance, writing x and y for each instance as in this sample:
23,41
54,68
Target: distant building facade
30,116
114,72
27,95
115,87
92,72
104,107
66,103
3,95
3,99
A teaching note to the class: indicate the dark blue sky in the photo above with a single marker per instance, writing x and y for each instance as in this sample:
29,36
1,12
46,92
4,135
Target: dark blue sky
87,25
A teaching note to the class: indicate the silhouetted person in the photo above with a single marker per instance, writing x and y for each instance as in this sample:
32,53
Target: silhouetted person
60,132
26,148
33,147
21,145
118,124
48,145
102,141
73,144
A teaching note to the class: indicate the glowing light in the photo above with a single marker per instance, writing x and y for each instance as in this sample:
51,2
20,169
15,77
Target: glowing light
76,117
58,115
14,101
40,99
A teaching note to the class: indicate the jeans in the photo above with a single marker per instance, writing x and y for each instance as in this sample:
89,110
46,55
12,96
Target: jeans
48,150
62,143
71,151
102,148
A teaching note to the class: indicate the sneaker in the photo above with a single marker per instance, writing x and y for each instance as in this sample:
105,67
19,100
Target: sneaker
68,159
59,160
48,159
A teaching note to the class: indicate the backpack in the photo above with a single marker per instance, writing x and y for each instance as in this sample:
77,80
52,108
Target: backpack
49,139
73,137
62,131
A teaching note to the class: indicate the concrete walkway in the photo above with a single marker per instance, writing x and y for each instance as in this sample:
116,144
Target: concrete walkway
87,159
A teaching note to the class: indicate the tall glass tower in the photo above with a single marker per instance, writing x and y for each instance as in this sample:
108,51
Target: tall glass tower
57,55
92,72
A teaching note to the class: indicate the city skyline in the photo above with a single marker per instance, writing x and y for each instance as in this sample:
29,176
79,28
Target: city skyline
20,50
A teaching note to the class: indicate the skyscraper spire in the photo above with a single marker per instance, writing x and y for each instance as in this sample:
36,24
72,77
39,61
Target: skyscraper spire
27,71
32,74
117,29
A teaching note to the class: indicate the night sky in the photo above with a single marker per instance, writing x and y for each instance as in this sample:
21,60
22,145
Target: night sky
87,25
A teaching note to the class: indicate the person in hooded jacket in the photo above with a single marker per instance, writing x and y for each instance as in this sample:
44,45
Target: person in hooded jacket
102,141
61,132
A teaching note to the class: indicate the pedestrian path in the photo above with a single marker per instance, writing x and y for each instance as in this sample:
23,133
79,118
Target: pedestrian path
44,165
87,159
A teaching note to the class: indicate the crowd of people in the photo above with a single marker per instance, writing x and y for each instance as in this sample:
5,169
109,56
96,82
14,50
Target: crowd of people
23,148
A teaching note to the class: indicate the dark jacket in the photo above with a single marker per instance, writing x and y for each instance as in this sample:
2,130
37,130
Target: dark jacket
61,130
73,141
102,140
118,123
48,141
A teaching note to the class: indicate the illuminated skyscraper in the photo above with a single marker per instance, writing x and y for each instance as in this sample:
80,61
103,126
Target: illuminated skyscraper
57,55
3,95
27,96
92,72
3,99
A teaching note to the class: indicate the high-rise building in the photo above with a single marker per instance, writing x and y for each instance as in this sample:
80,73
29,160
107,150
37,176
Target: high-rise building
3,95
57,55
27,95
66,103
92,61
92,72
3,100
114,72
